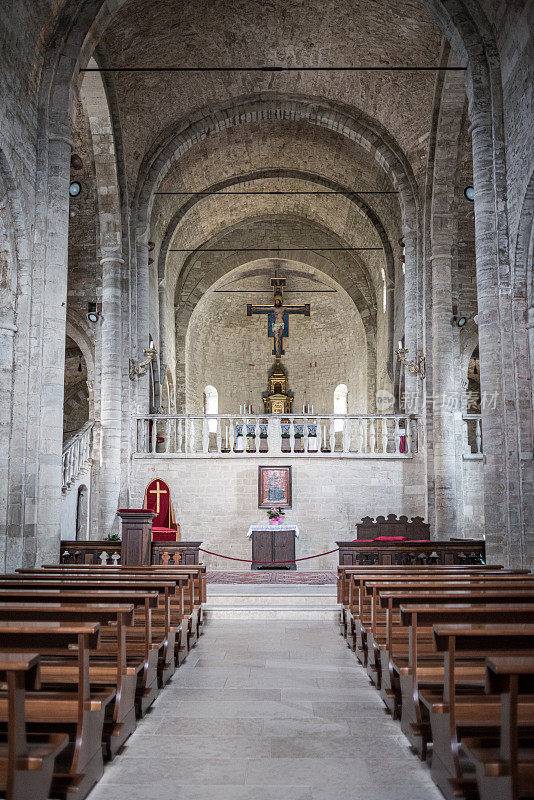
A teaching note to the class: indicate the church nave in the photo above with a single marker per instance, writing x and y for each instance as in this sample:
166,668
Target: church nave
267,710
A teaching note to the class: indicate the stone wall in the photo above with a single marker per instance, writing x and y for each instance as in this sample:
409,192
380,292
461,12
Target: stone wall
216,499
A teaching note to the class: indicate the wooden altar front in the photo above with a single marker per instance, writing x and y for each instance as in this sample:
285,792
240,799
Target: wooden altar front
273,545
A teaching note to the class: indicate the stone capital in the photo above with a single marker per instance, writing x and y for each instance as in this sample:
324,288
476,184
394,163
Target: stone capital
57,137
107,259
480,122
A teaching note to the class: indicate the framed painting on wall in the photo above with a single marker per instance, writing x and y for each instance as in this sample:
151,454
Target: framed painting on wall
274,487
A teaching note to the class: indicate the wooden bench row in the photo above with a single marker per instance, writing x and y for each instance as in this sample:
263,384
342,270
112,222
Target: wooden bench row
86,651
432,642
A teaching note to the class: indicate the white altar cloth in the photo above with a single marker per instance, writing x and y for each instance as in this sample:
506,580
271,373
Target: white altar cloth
266,526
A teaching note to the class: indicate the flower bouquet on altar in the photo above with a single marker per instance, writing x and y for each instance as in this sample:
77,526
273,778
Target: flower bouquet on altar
276,515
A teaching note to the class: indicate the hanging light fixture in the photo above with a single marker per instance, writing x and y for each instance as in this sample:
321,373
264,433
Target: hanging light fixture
80,365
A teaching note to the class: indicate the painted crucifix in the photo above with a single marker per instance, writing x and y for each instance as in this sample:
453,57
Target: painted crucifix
278,315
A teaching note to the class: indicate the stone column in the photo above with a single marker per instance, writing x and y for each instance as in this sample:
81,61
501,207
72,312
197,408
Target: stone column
412,337
110,396
52,356
143,322
7,332
444,411
502,504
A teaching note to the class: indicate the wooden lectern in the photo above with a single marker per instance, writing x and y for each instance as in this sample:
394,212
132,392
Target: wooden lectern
136,529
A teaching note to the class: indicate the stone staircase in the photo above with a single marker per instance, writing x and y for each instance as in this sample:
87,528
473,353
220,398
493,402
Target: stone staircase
268,601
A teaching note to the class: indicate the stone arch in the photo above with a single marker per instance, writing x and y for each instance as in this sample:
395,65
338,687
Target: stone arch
468,343
345,120
76,332
366,309
78,335
320,180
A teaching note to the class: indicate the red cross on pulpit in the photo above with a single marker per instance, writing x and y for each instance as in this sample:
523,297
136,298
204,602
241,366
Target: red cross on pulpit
158,499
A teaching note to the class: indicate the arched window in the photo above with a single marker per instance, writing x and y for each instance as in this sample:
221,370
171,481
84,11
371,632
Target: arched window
341,404
211,406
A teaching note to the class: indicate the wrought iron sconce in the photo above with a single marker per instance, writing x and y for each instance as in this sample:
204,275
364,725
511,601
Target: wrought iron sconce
142,366
417,367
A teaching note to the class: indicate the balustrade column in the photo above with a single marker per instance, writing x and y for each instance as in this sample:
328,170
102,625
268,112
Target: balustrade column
109,474
274,435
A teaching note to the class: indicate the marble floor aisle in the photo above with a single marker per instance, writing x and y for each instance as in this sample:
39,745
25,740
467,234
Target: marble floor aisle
268,710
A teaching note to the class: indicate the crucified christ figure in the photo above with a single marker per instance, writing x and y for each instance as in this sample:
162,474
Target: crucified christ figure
278,315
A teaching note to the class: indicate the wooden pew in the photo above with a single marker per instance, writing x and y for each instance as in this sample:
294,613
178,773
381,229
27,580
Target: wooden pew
368,617
144,659
182,614
505,767
194,596
381,605
116,673
453,714
79,713
163,637
344,574
26,767
193,590
364,608
394,650
422,668
351,575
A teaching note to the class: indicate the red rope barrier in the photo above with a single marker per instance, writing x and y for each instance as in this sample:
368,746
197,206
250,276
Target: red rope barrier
250,561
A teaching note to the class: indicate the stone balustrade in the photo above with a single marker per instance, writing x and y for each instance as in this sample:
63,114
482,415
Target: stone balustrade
317,435
77,454
473,436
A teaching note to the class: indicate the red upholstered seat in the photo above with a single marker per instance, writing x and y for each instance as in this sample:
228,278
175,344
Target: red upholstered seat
391,539
163,534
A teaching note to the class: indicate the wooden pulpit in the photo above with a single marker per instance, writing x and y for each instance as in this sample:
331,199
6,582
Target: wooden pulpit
136,532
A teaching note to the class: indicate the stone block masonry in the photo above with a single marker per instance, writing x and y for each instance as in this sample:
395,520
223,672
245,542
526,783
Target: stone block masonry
216,500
